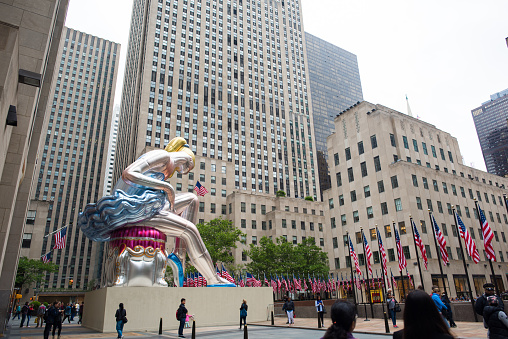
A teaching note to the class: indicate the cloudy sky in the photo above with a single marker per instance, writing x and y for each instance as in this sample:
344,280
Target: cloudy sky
447,56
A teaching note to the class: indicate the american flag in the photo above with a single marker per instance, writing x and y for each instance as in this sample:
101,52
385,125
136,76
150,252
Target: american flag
266,280
190,280
273,284
279,284
218,271
298,285
352,254
383,252
400,252
487,235
357,282
472,251
226,275
394,283
420,244
305,287
241,283
46,258
60,237
409,277
441,241
250,280
201,280
200,189
368,253
185,283
342,281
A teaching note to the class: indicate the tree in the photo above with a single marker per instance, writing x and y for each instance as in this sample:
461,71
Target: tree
280,193
282,257
32,271
309,198
220,237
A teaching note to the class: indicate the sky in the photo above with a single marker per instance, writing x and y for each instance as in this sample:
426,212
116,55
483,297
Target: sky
448,57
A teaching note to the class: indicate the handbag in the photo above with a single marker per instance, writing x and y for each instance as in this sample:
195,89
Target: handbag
124,320
397,308
324,309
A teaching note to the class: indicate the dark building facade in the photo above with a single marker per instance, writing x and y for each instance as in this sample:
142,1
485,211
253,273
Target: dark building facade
491,122
334,86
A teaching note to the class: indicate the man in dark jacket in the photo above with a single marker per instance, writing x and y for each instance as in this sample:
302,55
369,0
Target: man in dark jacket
448,313
289,307
53,319
181,315
481,302
495,318
24,314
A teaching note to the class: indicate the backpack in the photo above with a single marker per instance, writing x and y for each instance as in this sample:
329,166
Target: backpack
178,314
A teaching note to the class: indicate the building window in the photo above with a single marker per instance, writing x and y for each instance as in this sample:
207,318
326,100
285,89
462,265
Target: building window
402,227
415,145
388,231
337,263
436,187
360,148
419,203
341,200
380,186
395,182
407,254
242,207
425,183
445,229
391,254
415,180
212,208
384,208
429,205
353,196
392,140
424,148
201,206
243,223
30,217
398,205
27,240
445,188
356,217
336,159
335,242
423,225
366,191
350,174
406,145
284,224
370,213
253,208
348,153
373,141
440,207
295,240
377,164
342,219
330,203
254,240
363,167
293,224
429,253
254,226
302,225
339,179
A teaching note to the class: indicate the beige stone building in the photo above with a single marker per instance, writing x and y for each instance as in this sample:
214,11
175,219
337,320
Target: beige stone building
387,166
29,35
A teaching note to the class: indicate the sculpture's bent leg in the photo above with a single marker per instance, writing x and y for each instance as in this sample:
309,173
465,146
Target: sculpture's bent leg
176,226
186,206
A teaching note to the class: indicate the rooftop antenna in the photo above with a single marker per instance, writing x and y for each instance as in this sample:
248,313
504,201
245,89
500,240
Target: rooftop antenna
408,108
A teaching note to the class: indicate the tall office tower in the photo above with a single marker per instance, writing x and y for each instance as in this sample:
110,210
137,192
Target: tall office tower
28,31
72,160
335,86
388,167
111,150
231,77
491,122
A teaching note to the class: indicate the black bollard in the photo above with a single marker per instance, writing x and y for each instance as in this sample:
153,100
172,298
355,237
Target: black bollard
193,336
160,327
272,319
387,328
245,334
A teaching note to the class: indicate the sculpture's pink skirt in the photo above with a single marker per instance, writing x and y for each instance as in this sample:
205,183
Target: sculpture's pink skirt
138,236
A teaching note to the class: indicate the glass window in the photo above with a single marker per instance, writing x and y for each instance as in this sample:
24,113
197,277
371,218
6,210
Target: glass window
384,208
406,144
377,164
348,153
423,226
336,158
380,186
415,180
398,204
366,191
341,200
402,227
391,254
350,174
394,181
424,148
370,213
330,203
415,145
353,196
356,217
373,141
342,219
419,203
360,148
433,149
363,167
27,240
436,187
392,140
388,231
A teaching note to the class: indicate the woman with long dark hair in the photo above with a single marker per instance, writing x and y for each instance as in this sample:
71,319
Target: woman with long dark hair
121,319
343,314
422,320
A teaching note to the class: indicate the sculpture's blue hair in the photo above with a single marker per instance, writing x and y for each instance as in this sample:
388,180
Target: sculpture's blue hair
97,221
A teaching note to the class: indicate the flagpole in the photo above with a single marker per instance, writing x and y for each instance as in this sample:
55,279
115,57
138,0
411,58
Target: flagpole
369,297
493,278
401,273
464,262
383,288
416,252
437,251
47,235
351,265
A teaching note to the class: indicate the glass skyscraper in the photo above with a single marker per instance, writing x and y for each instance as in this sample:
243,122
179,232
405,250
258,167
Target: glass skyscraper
491,122
334,86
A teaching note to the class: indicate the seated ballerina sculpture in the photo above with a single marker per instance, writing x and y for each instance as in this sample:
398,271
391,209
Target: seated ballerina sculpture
141,212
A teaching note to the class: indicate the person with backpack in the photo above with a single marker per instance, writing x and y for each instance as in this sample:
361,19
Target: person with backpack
40,315
448,313
25,314
53,318
121,319
243,313
495,319
67,313
18,312
181,315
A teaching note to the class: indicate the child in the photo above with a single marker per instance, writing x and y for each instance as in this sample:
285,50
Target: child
188,318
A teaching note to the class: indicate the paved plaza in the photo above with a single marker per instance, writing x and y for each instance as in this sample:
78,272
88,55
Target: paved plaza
304,328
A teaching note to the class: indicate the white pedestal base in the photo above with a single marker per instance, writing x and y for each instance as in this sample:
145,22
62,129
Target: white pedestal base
211,306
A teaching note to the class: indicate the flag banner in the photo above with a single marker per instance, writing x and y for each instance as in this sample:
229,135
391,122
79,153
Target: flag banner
250,280
368,254
400,252
46,258
60,237
383,253
353,255
200,189
471,249
266,280
488,235
441,241
393,280
226,275
409,277
420,244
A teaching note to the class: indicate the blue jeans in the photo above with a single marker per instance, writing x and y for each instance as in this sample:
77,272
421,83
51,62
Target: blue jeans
23,317
182,324
119,327
445,320
392,314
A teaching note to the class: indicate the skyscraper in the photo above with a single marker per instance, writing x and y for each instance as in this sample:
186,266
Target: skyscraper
491,122
30,32
111,150
231,77
72,160
334,86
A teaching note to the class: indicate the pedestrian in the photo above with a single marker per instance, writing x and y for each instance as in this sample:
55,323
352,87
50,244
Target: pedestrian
495,319
53,320
73,311
343,314
448,313
41,311
243,313
81,309
25,314
121,319
439,304
392,304
181,315
320,309
481,302
67,313
422,320
289,307
18,311
285,301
